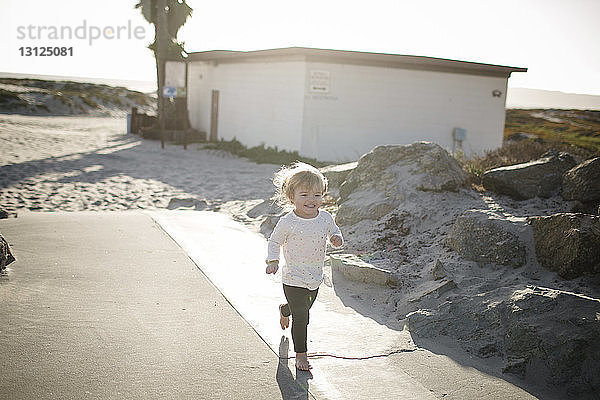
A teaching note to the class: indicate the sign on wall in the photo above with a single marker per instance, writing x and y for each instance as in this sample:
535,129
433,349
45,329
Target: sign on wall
319,81
169,91
174,78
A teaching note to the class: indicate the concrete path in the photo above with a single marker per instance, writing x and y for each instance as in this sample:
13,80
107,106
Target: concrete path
107,306
232,257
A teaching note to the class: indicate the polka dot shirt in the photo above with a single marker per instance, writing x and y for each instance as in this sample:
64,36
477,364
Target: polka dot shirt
304,241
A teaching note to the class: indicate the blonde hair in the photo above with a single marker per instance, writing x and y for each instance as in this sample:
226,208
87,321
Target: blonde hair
296,175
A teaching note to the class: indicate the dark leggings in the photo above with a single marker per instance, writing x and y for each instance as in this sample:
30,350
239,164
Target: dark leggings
300,300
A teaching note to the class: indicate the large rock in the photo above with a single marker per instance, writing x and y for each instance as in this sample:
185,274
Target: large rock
545,336
582,183
568,243
475,321
270,212
552,337
355,269
268,225
267,207
336,175
191,203
486,238
542,177
6,256
386,175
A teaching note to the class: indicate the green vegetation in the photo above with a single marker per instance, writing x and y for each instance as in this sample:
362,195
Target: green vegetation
579,128
528,134
261,154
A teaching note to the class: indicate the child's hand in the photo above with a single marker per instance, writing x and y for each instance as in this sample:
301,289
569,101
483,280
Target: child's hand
272,267
336,241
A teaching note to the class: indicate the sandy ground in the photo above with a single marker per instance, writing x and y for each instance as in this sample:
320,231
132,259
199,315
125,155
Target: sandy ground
89,163
78,163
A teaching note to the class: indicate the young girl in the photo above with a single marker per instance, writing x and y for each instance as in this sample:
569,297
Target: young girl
303,234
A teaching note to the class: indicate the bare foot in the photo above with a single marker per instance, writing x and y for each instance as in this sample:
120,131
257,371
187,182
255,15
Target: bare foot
283,321
302,362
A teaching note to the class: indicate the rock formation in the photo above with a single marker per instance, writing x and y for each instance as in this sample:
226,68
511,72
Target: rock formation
568,244
544,335
6,256
516,280
385,176
582,183
484,237
336,175
542,177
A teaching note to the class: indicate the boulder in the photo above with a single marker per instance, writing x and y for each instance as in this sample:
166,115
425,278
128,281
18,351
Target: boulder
545,336
542,177
582,183
355,269
270,212
568,244
190,203
369,204
433,289
267,207
438,272
552,337
336,175
484,237
475,321
267,226
6,256
386,175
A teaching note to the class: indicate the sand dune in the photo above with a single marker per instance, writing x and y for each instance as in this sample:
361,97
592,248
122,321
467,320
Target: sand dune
75,163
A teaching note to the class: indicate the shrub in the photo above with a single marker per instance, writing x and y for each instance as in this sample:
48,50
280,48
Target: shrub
261,154
516,153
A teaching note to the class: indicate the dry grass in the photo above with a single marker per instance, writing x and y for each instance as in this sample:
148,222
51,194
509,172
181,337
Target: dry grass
262,154
575,132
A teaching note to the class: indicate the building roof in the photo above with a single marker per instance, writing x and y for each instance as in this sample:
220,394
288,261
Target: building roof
354,57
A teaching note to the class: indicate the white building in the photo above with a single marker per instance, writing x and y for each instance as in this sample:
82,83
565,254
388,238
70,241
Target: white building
337,105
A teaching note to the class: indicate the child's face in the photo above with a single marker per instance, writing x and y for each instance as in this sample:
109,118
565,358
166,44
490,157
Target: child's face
307,202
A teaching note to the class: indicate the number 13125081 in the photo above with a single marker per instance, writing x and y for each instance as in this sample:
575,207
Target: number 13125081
47,51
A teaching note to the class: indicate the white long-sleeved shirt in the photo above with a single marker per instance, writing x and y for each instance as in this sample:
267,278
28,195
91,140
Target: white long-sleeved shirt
304,241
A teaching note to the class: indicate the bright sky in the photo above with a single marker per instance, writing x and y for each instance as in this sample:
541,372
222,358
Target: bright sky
557,40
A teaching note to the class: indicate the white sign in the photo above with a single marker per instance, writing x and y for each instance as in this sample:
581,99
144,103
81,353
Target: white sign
175,73
319,81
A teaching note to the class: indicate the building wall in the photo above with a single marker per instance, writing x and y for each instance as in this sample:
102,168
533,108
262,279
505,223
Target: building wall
368,106
258,102
198,95
360,108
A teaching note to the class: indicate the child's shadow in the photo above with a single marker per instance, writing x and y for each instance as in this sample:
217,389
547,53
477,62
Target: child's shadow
291,388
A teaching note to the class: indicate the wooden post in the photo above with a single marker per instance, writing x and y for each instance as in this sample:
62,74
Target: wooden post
186,122
162,42
133,124
214,116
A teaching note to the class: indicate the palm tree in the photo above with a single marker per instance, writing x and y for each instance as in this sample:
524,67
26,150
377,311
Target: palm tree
167,16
